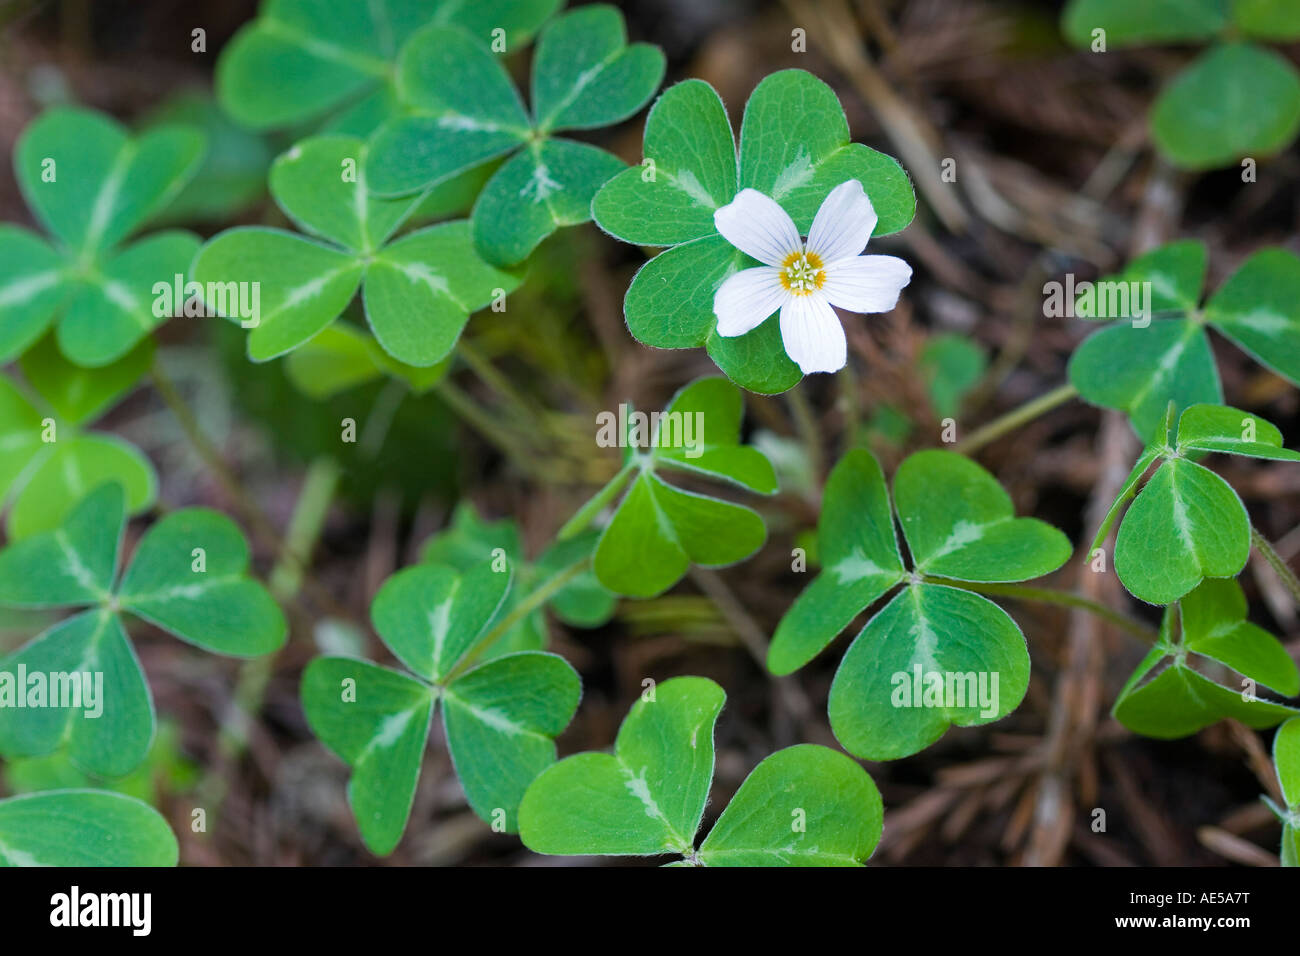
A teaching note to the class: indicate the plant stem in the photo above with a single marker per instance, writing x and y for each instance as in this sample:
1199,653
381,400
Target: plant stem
587,513
189,423
1060,598
1279,566
305,527
805,423
482,422
380,420
751,636
253,516
232,736
848,385
1015,418
285,580
501,386
531,602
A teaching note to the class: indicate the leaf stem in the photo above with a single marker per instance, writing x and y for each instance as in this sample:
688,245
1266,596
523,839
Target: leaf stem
305,527
1015,418
849,406
501,386
285,581
1060,598
380,420
189,423
751,636
1275,561
253,516
805,423
587,513
482,421
531,602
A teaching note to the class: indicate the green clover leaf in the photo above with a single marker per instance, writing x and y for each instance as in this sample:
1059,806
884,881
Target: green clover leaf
960,526
418,290
1286,756
464,111
83,828
658,530
582,601
1139,368
1186,523
189,576
1181,687
1267,19
1286,759
232,176
301,59
951,365
1236,99
1135,24
92,185
794,148
501,716
50,461
802,806
165,772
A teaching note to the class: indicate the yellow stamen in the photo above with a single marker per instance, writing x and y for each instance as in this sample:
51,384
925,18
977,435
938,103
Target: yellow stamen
802,273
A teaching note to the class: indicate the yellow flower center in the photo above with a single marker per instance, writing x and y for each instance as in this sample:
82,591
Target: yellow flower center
802,273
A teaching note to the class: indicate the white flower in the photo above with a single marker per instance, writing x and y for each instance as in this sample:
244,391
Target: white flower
804,280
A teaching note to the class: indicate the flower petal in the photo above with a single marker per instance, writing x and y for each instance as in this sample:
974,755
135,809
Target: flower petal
843,223
758,227
812,334
745,299
866,283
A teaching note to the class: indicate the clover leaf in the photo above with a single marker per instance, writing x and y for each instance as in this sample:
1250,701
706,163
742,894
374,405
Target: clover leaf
49,461
1168,696
936,654
794,148
1186,523
951,365
803,806
500,716
1139,367
166,771
658,530
1163,21
581,601
1236,99
463,111
1286,760
92,185
418,290
189,576
83,828
232,176
301,59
